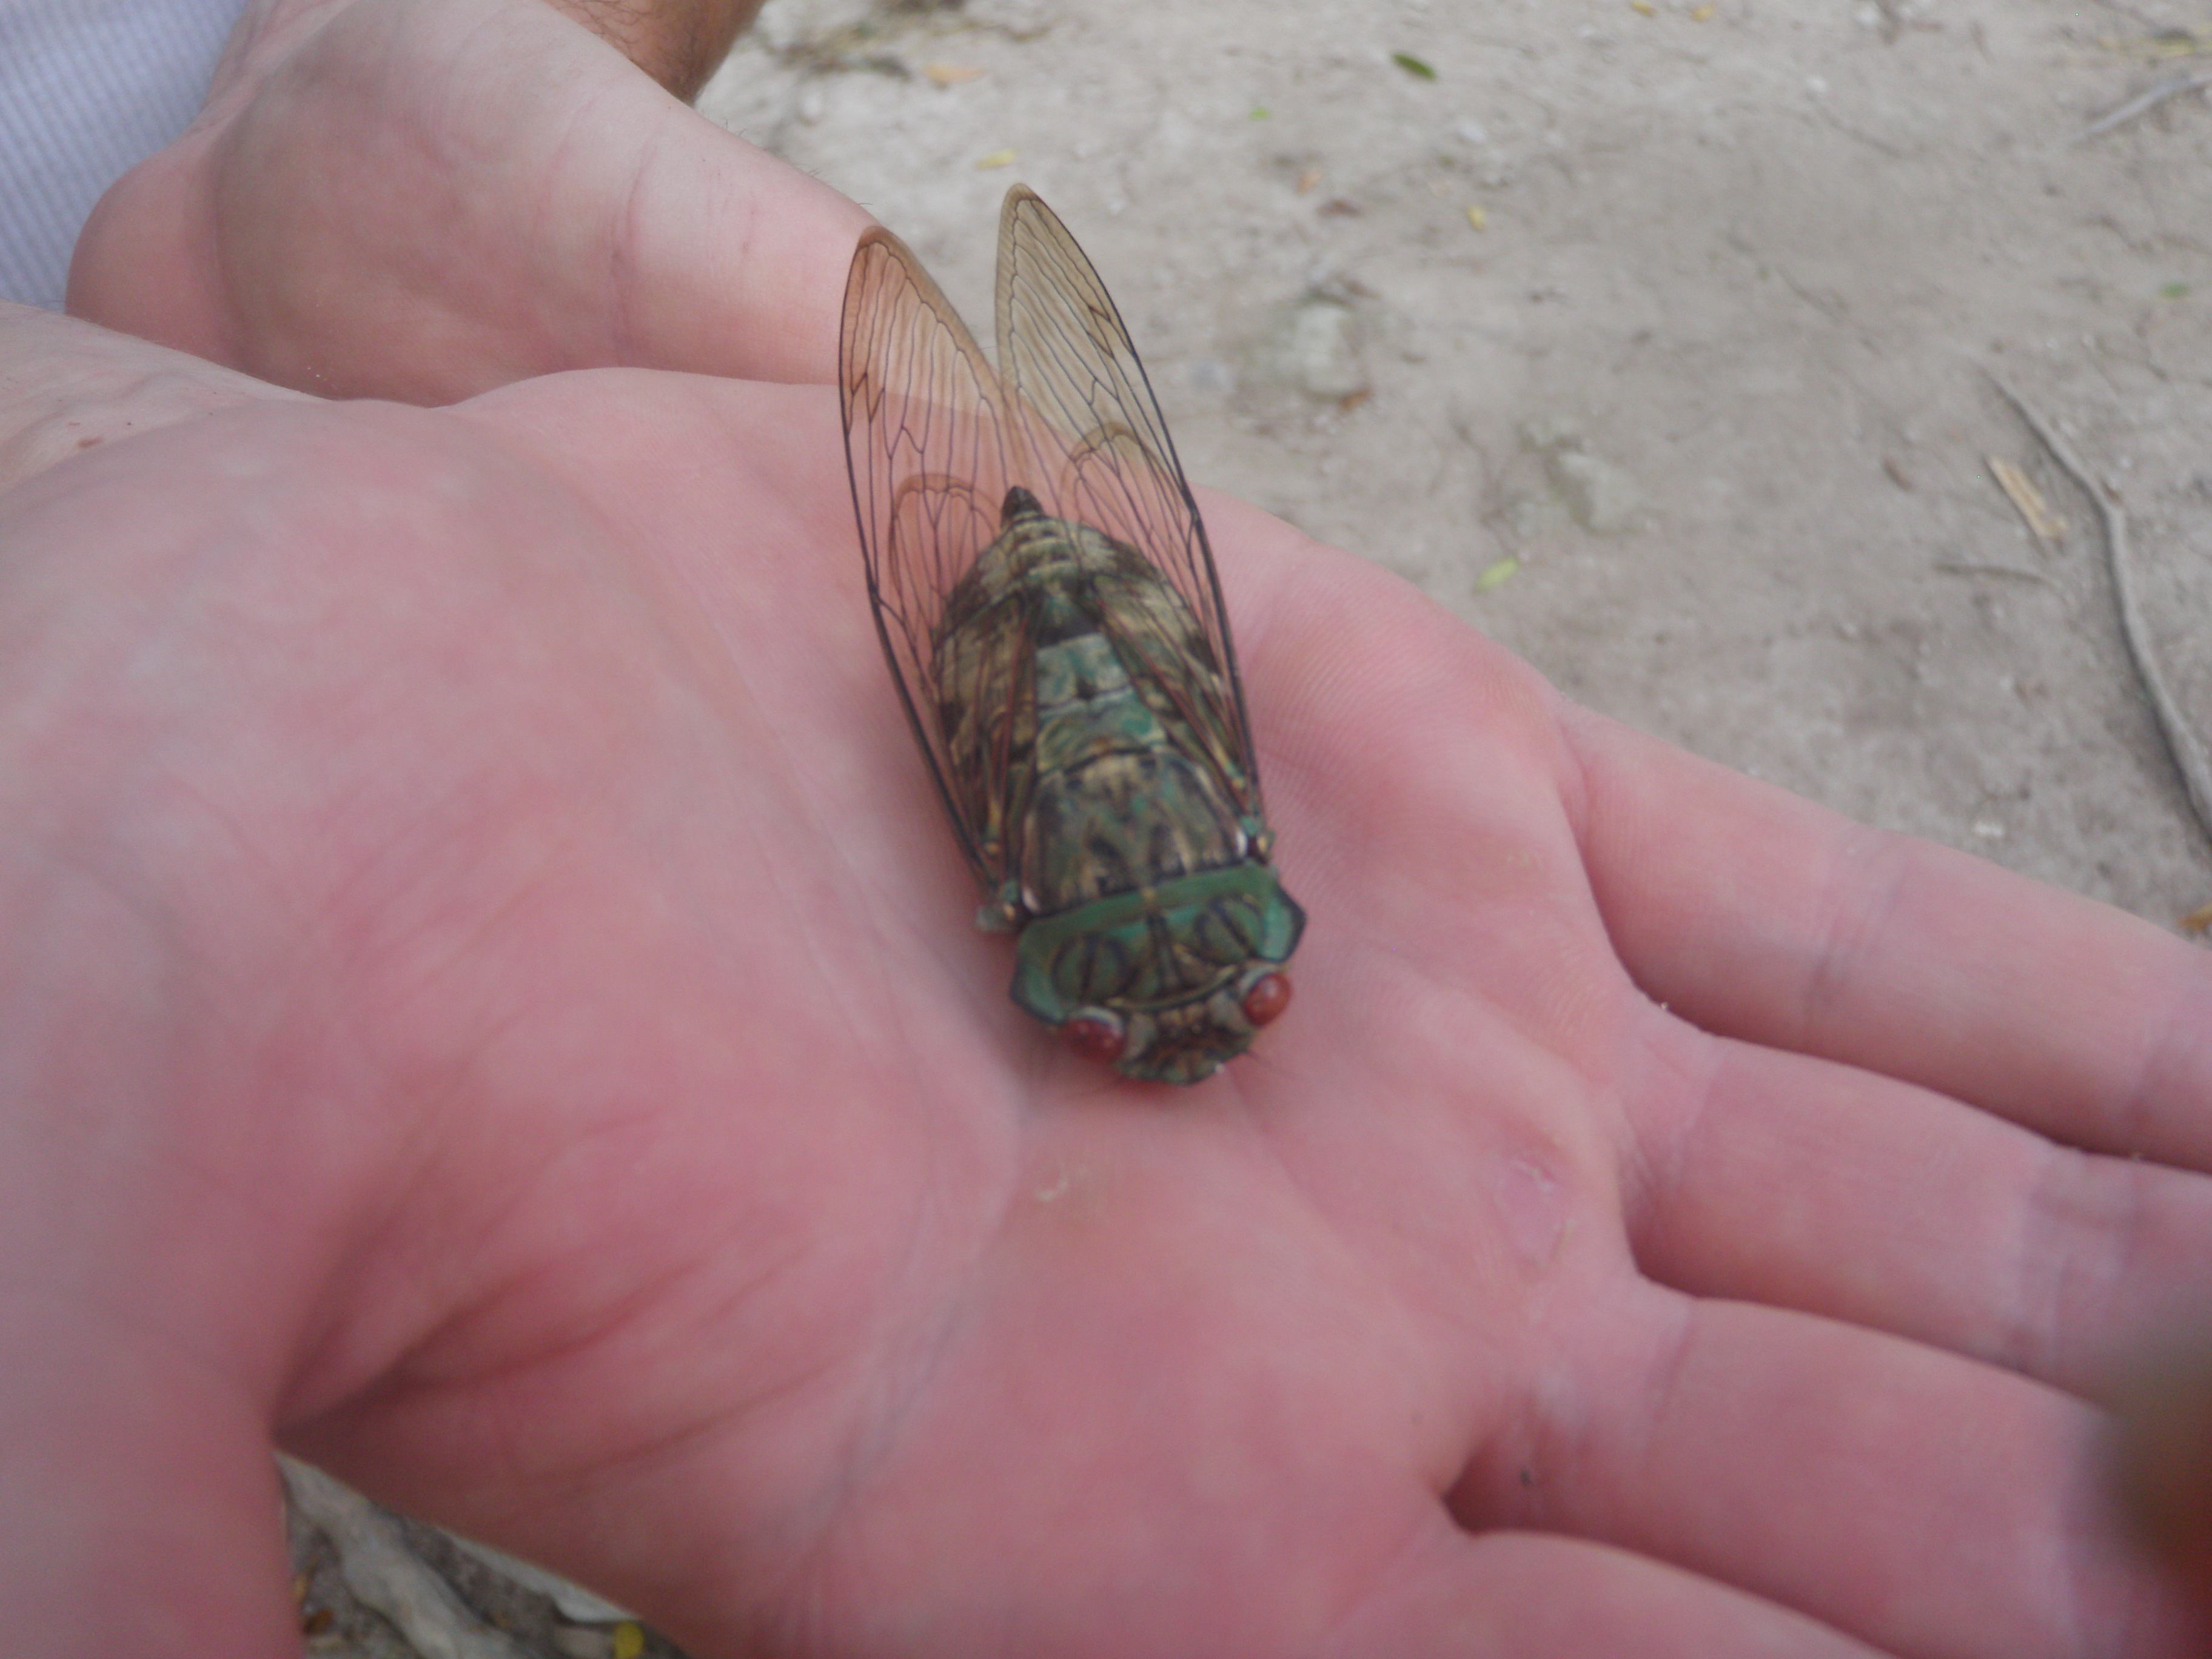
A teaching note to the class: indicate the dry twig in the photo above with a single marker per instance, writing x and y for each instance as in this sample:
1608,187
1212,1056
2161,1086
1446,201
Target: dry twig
2141,104
2181,740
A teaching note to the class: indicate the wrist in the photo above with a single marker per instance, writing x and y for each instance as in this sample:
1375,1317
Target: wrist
141,1302
178,1182
138,1501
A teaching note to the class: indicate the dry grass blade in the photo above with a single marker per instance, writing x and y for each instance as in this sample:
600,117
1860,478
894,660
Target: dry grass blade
2027,499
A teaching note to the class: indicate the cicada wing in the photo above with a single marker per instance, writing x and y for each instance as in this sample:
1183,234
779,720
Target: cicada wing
927,451
1094,446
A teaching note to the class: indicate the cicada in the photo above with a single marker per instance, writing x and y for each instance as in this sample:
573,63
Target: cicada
1054,621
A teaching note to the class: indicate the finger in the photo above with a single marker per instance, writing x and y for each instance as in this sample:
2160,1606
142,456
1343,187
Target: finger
739,261
1526,1595
1801,1183
1920,1503
1759,916
658,241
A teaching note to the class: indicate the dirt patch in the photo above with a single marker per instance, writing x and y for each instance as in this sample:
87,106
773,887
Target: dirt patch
1649,338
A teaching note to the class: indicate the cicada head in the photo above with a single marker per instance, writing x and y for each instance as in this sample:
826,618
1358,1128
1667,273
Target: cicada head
1185,1041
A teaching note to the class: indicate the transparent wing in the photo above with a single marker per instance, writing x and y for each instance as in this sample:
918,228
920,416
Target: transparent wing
927,451
1092,446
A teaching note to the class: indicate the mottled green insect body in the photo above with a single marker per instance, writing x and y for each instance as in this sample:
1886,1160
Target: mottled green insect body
1078,697
1150,905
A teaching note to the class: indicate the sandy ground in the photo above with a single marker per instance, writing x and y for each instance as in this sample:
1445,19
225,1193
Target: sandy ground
1739,270
1691,410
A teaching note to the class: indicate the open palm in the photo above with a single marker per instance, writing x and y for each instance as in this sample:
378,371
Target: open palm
567,1097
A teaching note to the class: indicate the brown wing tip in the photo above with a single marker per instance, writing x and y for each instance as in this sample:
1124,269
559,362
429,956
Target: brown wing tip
875,237
1019,197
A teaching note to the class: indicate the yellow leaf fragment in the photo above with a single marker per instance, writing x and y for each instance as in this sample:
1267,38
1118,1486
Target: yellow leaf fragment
2046,525
628,1640
1643,6
1703,13
1496,573
951,75
1476,216
996,158
2198,921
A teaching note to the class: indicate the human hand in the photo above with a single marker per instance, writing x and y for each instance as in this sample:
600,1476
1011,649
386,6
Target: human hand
420,199
489,998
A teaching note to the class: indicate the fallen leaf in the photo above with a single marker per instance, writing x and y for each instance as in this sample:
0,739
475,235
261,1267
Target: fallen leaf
1477,217
1496,573
1413,66
996,158
951,75
2198,921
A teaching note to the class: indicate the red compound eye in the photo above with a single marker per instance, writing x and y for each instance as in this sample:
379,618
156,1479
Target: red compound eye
1267,999
1092,1037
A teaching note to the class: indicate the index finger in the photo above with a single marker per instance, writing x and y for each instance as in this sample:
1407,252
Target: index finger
1759,915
